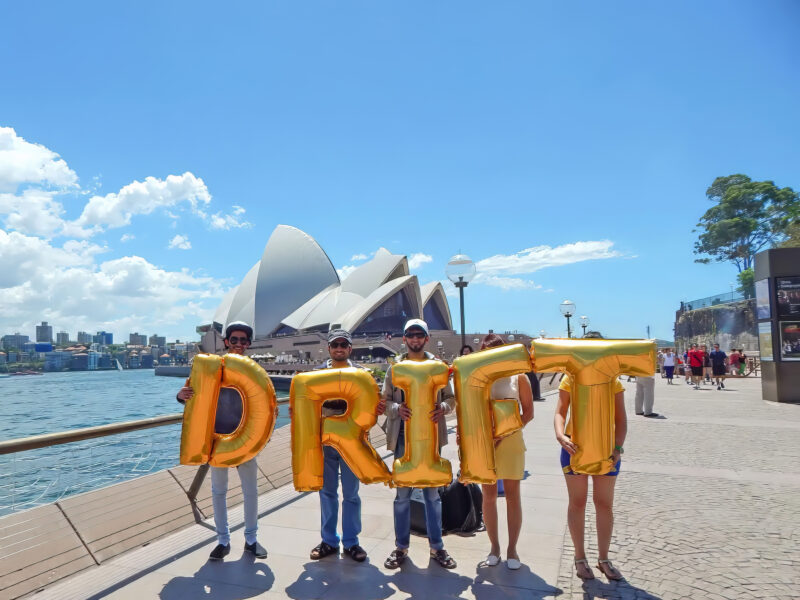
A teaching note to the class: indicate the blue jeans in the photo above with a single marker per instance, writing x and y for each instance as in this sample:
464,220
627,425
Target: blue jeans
402,509
248,474
329,501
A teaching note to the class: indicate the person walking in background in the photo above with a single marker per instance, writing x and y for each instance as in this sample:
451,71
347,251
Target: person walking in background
229,413
733,361
340,345
742,362
465,349
669,364
719,367
602,485
706,364
660,362
645,395
509,456
696,360
415,337
687,368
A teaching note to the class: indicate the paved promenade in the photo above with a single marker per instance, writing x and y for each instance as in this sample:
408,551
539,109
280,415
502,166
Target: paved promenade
706,507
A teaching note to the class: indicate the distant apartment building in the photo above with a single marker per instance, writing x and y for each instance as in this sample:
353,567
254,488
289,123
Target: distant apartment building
85,338
158,340
62,338
44,333
146,361
15,341
103,338
57,361
135,339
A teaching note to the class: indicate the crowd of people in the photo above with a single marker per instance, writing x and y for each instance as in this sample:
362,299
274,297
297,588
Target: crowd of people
509,459
701,367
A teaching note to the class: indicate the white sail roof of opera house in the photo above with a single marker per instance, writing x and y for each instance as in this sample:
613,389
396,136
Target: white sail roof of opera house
294,287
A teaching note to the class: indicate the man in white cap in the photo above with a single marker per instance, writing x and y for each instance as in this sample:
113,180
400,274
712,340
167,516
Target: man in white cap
340,345
415,336
238,336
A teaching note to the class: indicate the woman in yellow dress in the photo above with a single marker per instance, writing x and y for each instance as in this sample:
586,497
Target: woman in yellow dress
509,456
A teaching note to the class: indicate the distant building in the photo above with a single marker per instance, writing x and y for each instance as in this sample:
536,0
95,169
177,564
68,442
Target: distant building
134,339
146,361
104,362
84,338
80,362
62,338
158,340
3,358
14,341
12,356
44,333
57,361
103,338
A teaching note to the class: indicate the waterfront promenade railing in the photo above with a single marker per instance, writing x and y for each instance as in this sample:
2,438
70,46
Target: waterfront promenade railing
35,471
716,299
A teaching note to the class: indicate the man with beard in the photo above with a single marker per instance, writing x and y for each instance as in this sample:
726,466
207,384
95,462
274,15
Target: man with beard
415,336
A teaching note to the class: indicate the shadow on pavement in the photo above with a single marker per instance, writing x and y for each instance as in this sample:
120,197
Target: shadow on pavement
230,580
320,577
431,582
525,582
619,590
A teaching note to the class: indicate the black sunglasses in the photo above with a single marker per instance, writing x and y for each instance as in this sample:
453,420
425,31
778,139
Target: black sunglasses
415,334
339,344
238,340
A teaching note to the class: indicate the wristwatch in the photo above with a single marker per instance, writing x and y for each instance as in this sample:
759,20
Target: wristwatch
620,448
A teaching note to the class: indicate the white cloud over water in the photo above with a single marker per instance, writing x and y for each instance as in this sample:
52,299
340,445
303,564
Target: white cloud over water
180,242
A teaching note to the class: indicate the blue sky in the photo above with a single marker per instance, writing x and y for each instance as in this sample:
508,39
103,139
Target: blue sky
587,132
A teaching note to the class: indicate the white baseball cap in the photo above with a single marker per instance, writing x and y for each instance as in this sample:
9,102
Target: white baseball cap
416,323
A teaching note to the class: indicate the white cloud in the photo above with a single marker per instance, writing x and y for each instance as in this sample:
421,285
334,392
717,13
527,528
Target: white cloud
415,261
506,283
23,162
359,257
541,257
142,198
230,221
345,271
35,211
181,242
67,286
127,237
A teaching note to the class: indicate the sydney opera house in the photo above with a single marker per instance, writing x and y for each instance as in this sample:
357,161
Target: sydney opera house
294,292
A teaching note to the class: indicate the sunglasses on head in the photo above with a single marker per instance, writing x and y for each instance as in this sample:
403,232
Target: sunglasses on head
415,334
339,344
239,340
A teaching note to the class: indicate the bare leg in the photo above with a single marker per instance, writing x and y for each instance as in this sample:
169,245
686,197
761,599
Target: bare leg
490,516
577,489
514,515
603,497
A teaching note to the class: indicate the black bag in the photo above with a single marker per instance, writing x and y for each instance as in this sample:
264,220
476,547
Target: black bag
461,508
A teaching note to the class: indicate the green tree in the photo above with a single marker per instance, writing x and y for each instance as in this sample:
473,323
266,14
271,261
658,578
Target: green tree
747,217
793,235
747,283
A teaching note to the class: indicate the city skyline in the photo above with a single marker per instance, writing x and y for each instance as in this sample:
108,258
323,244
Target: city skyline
567,152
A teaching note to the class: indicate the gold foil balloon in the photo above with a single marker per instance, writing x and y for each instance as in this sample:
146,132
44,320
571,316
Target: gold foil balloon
200,411
482,420
593,365
348,433
421,465
259,412
210,373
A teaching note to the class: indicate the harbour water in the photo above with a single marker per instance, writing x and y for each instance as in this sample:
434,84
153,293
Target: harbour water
54,402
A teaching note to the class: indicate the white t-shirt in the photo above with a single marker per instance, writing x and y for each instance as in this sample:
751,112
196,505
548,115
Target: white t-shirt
669,359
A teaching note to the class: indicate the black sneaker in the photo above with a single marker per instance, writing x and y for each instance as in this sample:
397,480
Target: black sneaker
219,552
719,388
257,549
722,383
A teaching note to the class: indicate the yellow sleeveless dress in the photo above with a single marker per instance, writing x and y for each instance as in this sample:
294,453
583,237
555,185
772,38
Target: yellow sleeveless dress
509,453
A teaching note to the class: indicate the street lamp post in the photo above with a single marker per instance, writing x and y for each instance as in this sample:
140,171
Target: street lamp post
460,270
440,345
568,309
584,323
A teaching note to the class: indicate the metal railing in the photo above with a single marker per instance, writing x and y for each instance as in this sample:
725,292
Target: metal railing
716,299
38,470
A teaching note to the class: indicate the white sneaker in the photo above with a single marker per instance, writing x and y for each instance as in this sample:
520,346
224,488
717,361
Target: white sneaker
492,560
513,564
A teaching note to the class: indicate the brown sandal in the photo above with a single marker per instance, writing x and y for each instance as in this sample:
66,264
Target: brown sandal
443,558
396,558
612,573
323,550
585,563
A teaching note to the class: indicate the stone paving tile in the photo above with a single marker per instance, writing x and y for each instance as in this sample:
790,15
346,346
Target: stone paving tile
694,536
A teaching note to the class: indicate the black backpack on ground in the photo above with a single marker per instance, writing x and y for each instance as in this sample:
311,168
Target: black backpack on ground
461,508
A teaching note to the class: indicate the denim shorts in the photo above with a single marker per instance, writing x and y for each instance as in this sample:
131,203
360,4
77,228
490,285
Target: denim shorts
568,471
